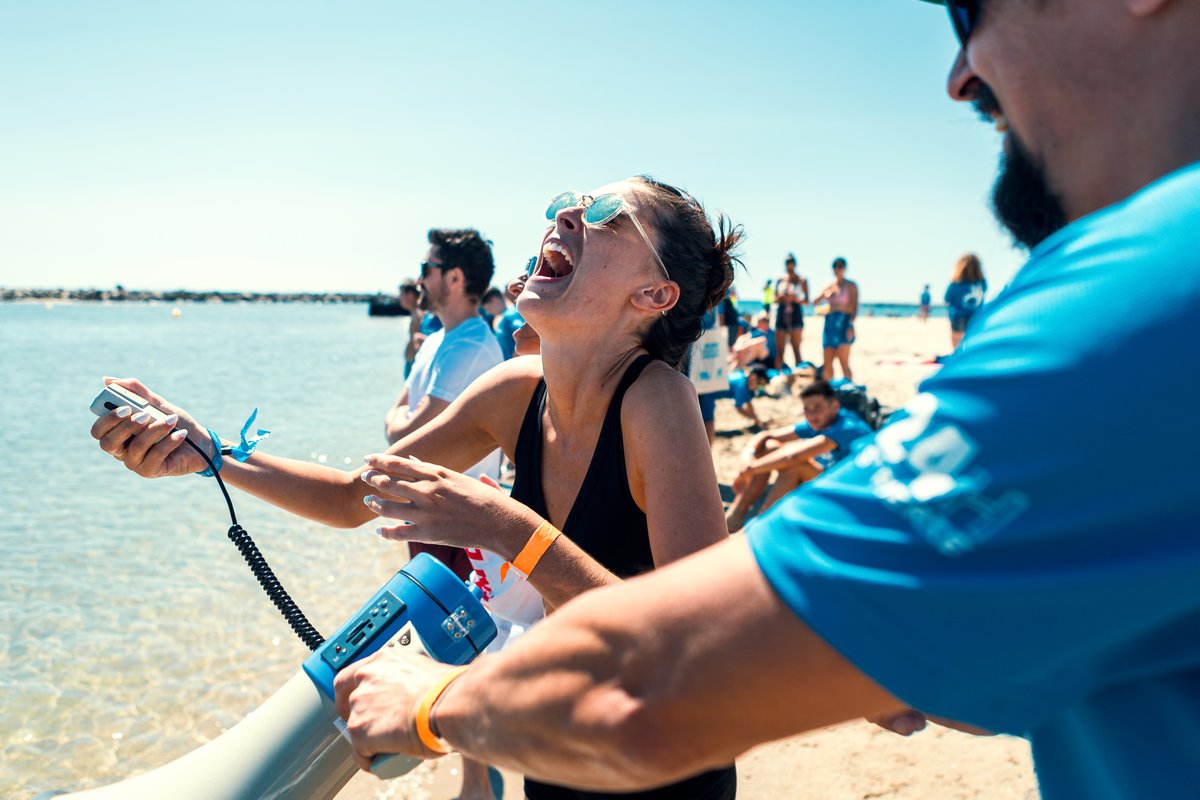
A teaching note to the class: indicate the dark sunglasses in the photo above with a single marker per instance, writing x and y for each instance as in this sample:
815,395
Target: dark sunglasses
964,16
428,265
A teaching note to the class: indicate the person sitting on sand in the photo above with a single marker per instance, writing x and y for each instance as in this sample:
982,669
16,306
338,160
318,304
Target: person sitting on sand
756,347
604,429
797,453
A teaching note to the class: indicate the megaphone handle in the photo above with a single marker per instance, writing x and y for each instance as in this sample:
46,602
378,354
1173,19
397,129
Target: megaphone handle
392,765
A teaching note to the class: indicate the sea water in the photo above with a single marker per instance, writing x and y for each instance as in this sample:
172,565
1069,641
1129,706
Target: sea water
131,630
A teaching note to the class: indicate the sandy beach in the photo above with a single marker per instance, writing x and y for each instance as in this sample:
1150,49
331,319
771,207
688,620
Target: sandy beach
855,760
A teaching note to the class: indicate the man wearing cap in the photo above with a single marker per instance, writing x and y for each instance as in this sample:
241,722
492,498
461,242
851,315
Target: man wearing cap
981,559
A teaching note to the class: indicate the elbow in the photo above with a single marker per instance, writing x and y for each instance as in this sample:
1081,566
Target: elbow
649,751
349,511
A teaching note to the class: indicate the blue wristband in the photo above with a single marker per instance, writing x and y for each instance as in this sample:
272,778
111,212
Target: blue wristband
244,449
208,472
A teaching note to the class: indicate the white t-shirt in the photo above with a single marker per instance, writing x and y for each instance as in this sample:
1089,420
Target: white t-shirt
447,363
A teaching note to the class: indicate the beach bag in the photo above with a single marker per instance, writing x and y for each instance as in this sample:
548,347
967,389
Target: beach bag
708,366
853,397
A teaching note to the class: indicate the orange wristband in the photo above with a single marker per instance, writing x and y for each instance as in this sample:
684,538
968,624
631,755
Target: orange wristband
536,547
425,708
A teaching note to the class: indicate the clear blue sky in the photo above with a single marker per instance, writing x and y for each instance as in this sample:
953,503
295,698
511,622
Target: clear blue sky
308,145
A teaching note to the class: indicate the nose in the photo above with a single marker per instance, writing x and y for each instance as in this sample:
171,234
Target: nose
962,83
570,219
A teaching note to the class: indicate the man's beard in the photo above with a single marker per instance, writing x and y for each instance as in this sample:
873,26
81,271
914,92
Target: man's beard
1021,198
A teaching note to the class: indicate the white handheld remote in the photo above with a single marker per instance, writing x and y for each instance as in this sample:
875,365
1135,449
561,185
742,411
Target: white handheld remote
112,397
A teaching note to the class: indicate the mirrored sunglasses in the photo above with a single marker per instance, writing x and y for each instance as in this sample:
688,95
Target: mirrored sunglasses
426,266
600,211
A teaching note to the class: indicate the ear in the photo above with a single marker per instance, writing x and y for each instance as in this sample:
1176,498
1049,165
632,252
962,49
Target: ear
658,298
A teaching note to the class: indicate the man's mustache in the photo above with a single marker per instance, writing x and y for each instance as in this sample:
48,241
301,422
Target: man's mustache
985,103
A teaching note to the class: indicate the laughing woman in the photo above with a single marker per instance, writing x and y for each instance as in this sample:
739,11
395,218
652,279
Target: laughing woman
604,430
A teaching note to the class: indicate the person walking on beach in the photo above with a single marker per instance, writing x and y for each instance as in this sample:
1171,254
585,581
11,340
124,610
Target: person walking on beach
964,295
791,294
842,297
926,301
942,567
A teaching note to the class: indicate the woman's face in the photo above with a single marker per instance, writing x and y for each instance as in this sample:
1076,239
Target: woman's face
592,270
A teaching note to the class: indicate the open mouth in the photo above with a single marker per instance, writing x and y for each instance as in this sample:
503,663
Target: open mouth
556,261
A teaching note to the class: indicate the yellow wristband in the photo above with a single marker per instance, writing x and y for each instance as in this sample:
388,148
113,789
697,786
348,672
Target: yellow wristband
425,708
536,547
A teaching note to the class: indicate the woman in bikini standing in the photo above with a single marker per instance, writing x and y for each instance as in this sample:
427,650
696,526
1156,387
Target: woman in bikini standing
842,296
791,295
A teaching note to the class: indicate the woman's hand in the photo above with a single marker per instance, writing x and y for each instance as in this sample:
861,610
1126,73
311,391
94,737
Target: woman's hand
441,506
378,697
146,446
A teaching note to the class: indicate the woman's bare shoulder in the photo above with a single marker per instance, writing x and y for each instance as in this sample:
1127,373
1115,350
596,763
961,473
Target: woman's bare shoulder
659,399
515,376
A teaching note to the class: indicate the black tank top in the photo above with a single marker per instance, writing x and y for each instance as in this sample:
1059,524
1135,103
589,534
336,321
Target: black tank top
608,525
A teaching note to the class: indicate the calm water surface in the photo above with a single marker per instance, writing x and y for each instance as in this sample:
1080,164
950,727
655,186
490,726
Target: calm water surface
130,629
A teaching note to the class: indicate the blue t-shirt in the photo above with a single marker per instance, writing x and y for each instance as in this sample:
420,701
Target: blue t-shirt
847,428
510,322
926,299
430,323
990,556
964,299
771,348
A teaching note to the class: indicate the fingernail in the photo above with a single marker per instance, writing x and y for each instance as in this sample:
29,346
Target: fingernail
179,435
123,412
366,476
380,532
370,499
171,420
141,417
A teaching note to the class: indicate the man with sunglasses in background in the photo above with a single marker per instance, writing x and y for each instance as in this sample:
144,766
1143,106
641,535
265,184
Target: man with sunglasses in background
980,559
457,270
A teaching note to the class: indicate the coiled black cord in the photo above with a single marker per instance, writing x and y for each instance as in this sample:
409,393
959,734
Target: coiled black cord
262,570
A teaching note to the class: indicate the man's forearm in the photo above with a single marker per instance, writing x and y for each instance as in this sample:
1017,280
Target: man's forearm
656,679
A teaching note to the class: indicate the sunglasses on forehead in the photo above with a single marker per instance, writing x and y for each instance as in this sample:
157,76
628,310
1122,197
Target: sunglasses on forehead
600,211
964,16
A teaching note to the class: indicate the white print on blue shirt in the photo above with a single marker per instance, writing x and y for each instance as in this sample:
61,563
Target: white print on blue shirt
924,472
